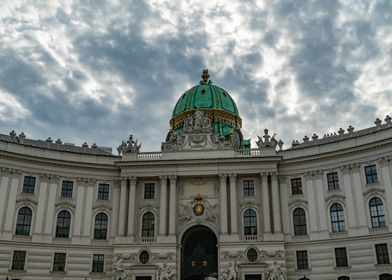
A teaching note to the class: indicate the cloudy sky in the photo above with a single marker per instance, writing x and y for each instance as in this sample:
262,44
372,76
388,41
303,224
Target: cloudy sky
97,71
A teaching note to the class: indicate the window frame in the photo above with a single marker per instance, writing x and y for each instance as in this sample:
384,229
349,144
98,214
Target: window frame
95,266
149,193
59,230
150,230
371,174
302,228
378,220
384,257
27,187
302,264
103,191
98,232
23,231
54,262
333,181
250,222
296,186
248,191
67,188
18,260
339,220
341,260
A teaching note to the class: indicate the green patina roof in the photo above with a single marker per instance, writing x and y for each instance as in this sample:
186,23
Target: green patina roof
205,96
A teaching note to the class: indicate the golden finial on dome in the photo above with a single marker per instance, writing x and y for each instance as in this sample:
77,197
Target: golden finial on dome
205,76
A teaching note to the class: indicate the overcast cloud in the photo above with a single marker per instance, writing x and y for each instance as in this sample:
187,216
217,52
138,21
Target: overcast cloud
97,71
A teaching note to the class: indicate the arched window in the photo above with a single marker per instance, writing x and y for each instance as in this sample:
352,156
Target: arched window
23,223
377,215
63,224
250,222
299,219
101,226
343,278
385,276
337,218
148,225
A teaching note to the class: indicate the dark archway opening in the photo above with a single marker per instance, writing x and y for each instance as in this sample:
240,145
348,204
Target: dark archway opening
199,254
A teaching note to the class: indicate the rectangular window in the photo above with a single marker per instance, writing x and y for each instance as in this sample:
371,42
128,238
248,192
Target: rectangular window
149,190
18,260
103,192
296,186
28,184
382,253
67,189
98,262
333,181
248,187
371,174
341,257
302,259
59,261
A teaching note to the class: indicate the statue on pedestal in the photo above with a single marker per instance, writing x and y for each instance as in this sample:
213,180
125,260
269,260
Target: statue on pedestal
275,272
230,272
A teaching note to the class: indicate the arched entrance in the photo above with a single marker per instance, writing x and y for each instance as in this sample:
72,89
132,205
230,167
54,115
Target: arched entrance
198,253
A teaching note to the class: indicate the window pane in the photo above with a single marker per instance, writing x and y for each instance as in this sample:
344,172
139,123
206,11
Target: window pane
149,191
98,263
67,189
250,222
302,260
101,226
148,225
23,221
248,188
18,260
296,186
103,192
28,184
63,224
59,262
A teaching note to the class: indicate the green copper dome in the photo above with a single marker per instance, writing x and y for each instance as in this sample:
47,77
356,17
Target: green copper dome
216,104
205,96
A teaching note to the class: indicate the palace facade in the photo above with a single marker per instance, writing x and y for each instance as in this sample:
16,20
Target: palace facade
206,206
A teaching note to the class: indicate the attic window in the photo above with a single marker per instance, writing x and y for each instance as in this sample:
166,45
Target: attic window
203,91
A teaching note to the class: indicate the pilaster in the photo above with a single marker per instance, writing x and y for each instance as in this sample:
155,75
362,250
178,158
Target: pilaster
123,202
173,205
266,203
163,206
233,204
223,203
131,206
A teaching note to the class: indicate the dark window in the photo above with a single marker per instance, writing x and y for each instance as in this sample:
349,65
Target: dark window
337,218
302,260
296,186
148,225
149,190
144,257
250,222
103,192
67,189
98,262
101,226
248,188
385,276
333,181
251,255
28,184
341,257
299,220
18,260
59,261
343,278
63,224
371,174
382,253
23,223
377,215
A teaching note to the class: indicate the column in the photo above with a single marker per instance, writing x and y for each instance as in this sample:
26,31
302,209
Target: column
223,203
348,192
53,182
115,197
80,205
233,204
41,204
89,185
266,203
3,197
358,195
284,192
320,201
123,202
311,202
386,175
15,178
173,204
276,203
131,206
163,205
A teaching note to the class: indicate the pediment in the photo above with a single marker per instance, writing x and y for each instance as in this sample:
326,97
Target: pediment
335,196
373,191
298,201
65,203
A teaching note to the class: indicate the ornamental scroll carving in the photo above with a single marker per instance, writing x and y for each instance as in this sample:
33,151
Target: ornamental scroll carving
186,213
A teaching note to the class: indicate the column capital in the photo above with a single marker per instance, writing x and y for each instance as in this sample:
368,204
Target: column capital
222,175
264,176
232,176
274,176
385,161
282,178
163,177
173,177
123,179
132,179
